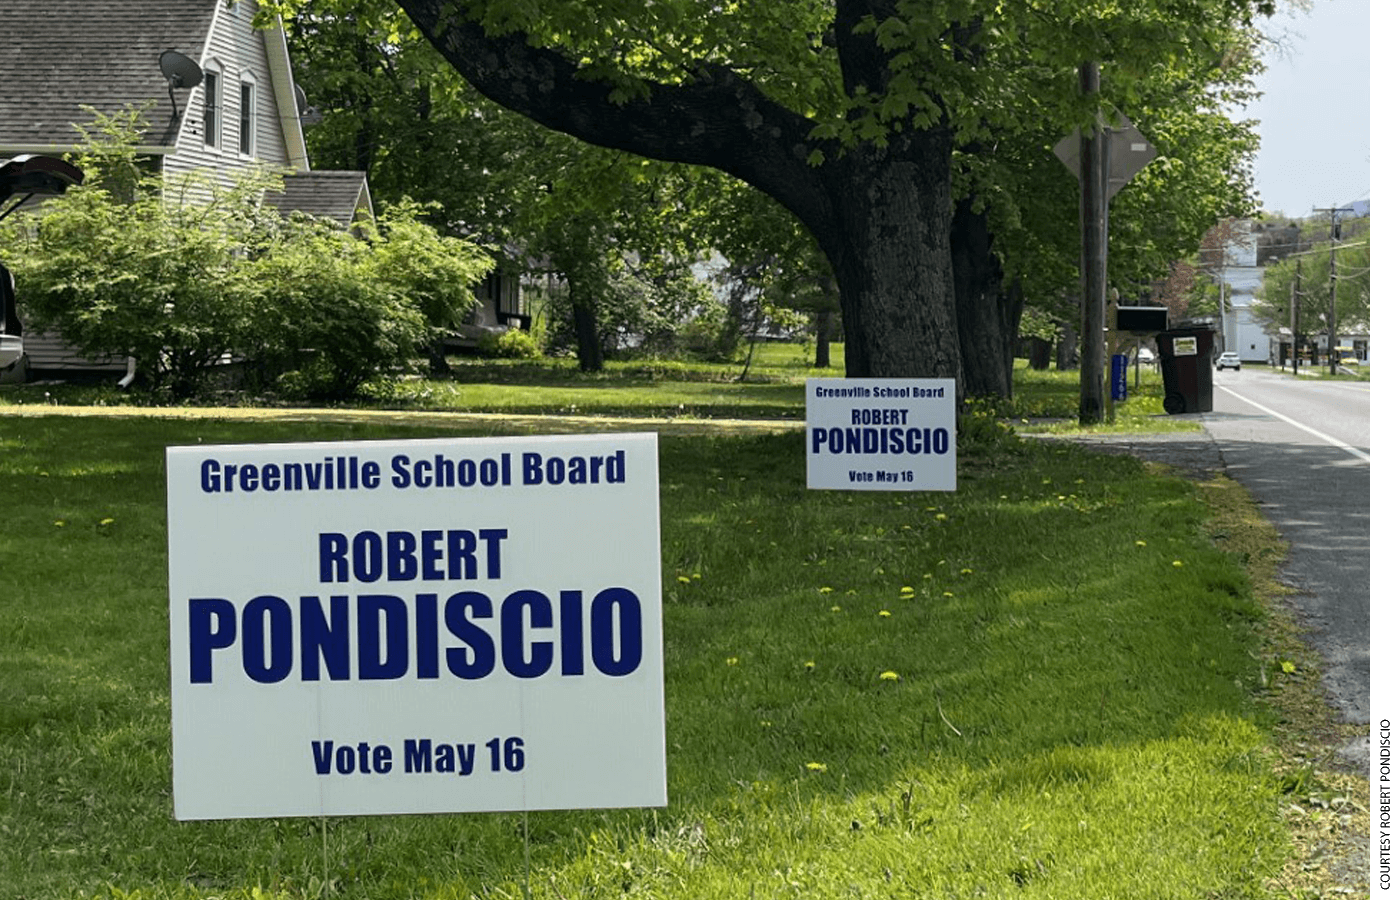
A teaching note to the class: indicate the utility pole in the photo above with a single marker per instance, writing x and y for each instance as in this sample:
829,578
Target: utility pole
1103,160
1332,354
1293,310
1093,220
1332,230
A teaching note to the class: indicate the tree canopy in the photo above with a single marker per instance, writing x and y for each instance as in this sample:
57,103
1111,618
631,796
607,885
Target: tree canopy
848,115
619,228
1310,269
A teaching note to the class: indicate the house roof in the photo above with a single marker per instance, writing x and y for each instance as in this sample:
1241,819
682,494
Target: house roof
61,55
330,194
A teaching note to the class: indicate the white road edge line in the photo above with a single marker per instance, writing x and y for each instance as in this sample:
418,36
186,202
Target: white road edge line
1312,431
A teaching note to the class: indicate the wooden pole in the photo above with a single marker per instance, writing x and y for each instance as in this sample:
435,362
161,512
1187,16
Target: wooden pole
1093,219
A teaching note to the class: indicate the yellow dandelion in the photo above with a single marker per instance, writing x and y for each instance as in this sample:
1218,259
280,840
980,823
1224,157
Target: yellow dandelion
683,580
1176,563
765,723
823,590
966,572
732,661
836,609
60,523
885,613
816,767
107,521
941,517
906,591
948,594
1140,543
809,665
695,575
889,676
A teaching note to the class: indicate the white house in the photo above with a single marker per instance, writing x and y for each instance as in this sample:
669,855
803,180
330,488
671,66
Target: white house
1240,278
61,60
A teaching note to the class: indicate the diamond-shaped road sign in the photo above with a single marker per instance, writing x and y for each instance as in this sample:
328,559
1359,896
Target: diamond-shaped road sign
1128,152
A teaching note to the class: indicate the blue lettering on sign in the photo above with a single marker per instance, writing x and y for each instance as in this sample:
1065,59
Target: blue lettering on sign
346,759
430,555
423,755
391,635
536,468
911,441
334,473
444,472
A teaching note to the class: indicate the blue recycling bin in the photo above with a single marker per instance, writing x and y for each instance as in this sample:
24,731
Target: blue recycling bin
1119,380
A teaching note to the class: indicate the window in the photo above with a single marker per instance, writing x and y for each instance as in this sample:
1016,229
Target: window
213,121
247,117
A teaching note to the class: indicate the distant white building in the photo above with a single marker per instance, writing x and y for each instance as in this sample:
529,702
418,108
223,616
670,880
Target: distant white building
1242,277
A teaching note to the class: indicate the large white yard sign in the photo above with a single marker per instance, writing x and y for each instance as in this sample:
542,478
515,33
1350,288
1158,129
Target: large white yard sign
414,627
882,434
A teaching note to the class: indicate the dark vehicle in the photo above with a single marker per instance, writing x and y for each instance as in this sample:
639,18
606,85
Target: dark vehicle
24,177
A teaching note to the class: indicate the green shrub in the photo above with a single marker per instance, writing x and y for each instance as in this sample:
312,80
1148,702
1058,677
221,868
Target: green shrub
186,274
511,344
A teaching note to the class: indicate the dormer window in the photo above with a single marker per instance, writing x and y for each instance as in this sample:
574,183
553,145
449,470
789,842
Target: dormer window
213,102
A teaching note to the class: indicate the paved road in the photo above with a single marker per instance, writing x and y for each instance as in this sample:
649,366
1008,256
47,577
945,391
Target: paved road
1302,449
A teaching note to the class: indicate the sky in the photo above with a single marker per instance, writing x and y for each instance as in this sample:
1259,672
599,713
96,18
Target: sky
1314,117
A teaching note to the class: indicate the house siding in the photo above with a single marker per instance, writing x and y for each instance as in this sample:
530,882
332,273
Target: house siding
67,54
234,49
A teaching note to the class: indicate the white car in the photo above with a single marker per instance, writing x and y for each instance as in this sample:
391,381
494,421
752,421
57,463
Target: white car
1228,360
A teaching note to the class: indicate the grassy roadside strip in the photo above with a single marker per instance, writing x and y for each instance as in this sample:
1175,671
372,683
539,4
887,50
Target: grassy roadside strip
1043,685
1324,802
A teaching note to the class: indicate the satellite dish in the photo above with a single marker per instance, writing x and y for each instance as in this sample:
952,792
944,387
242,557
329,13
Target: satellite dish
179,70
308,114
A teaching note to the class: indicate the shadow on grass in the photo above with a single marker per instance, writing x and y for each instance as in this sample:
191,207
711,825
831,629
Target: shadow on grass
1059,606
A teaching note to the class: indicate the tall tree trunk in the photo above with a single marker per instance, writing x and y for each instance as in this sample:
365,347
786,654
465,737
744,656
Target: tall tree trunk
1067,350
1040,353
438,366
823,360
881,214
590,344
988,314
888,246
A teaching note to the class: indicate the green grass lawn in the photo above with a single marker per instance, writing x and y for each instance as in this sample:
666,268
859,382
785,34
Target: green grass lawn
769,385
1037,686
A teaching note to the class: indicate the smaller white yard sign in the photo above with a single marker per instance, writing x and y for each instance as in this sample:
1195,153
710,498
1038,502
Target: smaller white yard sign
459,625
882,434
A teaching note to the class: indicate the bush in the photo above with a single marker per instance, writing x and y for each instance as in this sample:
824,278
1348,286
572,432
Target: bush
510,344
184,275
324,315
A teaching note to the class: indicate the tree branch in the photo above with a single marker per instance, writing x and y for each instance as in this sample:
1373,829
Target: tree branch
719,119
